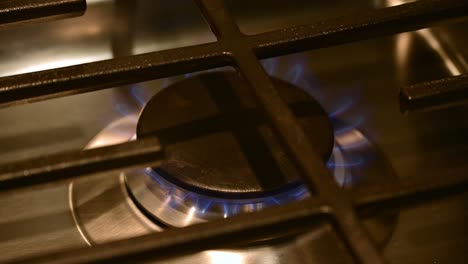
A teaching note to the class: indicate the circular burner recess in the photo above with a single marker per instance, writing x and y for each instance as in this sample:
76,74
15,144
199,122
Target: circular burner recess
219,143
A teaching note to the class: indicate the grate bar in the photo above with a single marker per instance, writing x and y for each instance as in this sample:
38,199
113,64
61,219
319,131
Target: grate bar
316,175
21,11
62,166
109,73
60,82
360,26
437,94
298,216
411,191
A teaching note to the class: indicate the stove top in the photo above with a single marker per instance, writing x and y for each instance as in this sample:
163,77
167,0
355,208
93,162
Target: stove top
223,188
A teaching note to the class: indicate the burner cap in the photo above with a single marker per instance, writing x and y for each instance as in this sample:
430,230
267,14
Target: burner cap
218,142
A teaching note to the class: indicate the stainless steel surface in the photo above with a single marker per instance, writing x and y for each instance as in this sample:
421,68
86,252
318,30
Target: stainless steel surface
366,76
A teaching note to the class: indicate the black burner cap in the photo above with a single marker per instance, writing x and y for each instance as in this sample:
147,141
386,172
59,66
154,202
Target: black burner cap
217,141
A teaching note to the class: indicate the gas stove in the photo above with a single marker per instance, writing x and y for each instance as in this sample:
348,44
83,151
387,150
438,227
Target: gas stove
247,138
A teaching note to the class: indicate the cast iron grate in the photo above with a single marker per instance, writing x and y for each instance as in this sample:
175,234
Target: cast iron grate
242,52
22,11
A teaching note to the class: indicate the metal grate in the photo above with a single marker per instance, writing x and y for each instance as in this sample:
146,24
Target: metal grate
435,94
241,51
20,11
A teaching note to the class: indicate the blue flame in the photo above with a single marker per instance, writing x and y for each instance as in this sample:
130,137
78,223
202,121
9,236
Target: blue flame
274,200
270,66
340,165
226,210
123,109
345,129
135,91
354,163
188,75
295,74
207,205
342,108
354,145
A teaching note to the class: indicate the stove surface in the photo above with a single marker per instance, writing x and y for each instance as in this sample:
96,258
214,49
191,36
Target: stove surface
357,84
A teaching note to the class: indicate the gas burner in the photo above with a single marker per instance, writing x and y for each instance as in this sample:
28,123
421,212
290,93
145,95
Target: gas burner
218,143
222,157
201,180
